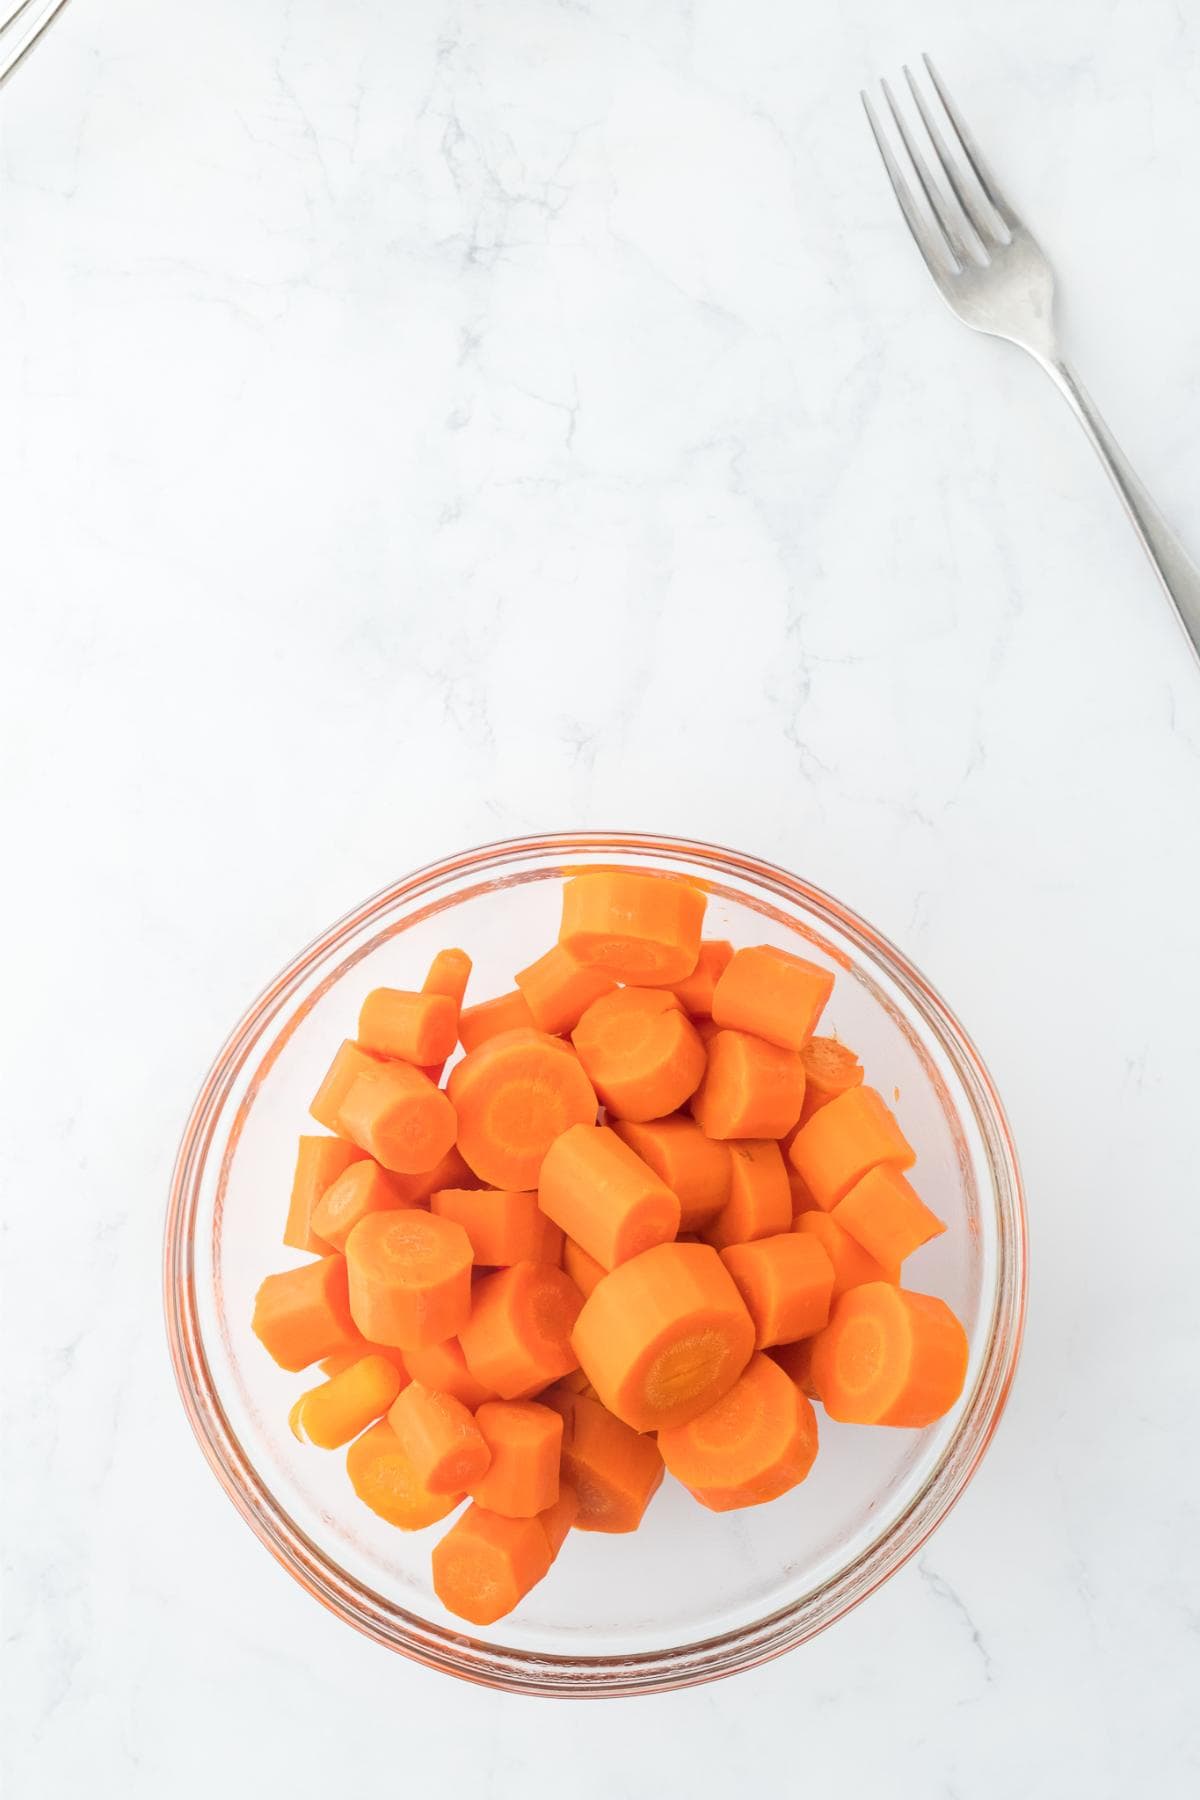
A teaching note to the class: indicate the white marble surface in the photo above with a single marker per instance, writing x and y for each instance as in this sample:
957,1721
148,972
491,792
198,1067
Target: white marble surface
423,424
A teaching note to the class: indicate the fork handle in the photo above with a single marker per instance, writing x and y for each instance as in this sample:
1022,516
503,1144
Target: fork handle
1172,564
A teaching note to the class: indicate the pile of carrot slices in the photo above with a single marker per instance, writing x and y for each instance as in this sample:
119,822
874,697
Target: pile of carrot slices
649,1216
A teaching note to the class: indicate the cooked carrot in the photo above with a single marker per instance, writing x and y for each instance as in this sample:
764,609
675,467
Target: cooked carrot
637,927
330,1415
524,1441
350,1062
395,1112
410,1277
787,1284
419,1028
694,1167
751,1089
513,1096
796,1362
442,1368
695,991
362,1188
486,1564
772,994
843,1140
760,1201
449,973
518,1337
664,1335
382,1475
887,1216
851,1264
450,1172
509,1012
606,1199
641,1053
440,1438
889,1357
829,1069
583,1269
757,1441
303,1314
614,1471
558,1519
802,1200
504,1226
354,1352
558,990
319,1162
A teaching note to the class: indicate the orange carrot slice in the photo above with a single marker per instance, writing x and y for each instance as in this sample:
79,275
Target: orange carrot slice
887,1216
829,1069
558,1519
772,994
319,1162
442,1368
410,1277
583,1269
486,1564
852,1266
362,1188
397,1115
787,1284
889,1357
382,1475
448,974
751,1089
330,1415
642,1055
440,1438
760,1200
419,1028
504,1226
614,1471
558,990
491,1018
843,1140
604,1196
525,1442
639,928
695,991
302,1314
355,1351
514,1096
751,1446
518,1337
694,1167
350,1062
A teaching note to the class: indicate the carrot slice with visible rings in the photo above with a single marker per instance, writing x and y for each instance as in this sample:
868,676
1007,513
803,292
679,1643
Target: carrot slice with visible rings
614,1470
756,1442
604,1196
760,1200
641,1054
382,1475
583,1269
301,1315
843,1140
852,1266
442,1368
558,990
829,1069
525,1441
889,1357
514,1096
319,1162
440,1438
410,1277
695,991
518,1337
664,1335
418,1028
491,1018
504,1226
486,1564
330,1415
694,1167
751,1089
448,974
772,994
640,928
396,1114
362,1188
787,1284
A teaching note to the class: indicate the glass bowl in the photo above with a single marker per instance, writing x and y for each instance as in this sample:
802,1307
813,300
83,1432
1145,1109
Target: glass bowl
693,1595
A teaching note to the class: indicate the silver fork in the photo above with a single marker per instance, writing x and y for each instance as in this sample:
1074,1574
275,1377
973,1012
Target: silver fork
991,271
21,27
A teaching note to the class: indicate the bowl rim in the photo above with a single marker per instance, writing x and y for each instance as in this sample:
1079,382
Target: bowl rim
581,1676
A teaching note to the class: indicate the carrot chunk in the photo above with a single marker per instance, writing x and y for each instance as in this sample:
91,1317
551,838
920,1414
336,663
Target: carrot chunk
604,1196
303,1314
508,1012
397,1114
889,1357
410,1277
829,1069
614,1471
772,994
664,1335
639,928
362,1188
319,1162
419,1028
525,1442
447,1450
518,1337
760,1200
558,1519
695,991
583,1269
843,1140
694,1167
757,1441
356,1350
751,1089
504,1226
486,1564
641,1053
558,990
330,1415
887,1216
787,1284
350,1062
442,1368
449,973
514,1096
852,1266
382,1475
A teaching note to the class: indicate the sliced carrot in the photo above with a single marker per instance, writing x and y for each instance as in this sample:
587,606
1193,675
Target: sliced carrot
887,1216
851,1264
829,1069
410,1277
664,1335
752,1445
354,1352
350,1062
787,1284
640,928
606,1199
751,1089
382,1475
558,990
796,1362
396,1114
641,1053
450,1172
440,1438
889,1357
695,991
330,1415
419,1028
319,1162
694,1167
303,1314
486,1564
504,1226
843,1140
449,973
583,1269
614,1471
525,1441
518,1337
514,1096
760,1201
509,1012
362,1188
558,1519
772,994
443,1369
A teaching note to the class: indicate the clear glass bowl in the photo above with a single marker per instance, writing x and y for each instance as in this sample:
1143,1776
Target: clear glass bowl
693,1595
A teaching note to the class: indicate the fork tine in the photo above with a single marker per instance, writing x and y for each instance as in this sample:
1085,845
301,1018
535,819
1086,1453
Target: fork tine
930,188
930,242
984,229
970,148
